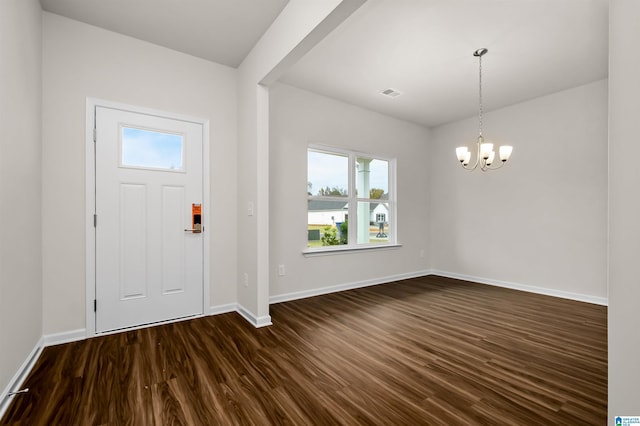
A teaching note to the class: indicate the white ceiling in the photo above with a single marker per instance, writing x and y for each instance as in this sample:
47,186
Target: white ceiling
222,31
422,48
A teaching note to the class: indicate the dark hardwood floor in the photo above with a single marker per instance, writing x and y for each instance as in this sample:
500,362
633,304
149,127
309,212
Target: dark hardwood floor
430,350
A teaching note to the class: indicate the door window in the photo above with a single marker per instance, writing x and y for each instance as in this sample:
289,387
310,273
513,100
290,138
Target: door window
151,149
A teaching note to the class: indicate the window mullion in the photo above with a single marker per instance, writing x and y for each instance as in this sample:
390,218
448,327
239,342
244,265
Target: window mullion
353,203
393,199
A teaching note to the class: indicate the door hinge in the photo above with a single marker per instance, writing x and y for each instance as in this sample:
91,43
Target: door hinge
95,220
95,305
94,134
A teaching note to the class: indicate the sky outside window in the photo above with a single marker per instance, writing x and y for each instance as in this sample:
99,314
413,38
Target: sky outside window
327,170
146,148
330,170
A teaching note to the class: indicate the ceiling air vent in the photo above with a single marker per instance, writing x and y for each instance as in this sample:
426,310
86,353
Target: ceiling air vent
391,93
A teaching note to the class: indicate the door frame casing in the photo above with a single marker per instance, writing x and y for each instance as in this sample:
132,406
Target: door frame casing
90,206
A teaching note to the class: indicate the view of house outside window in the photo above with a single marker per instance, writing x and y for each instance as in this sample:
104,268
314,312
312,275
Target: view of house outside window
350,203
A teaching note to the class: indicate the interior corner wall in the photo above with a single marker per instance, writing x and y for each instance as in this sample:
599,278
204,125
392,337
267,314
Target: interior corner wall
247,231
81,61
299,118
20,184
300,25
624,205
541,221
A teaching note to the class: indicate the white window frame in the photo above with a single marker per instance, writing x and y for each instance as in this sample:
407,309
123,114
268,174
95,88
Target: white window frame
352,200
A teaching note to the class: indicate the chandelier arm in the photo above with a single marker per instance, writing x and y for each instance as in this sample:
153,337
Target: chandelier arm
470,169
475,165
495,167
477,162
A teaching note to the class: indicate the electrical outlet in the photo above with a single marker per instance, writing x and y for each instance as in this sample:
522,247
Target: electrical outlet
281,270
245,279
250,209
422,254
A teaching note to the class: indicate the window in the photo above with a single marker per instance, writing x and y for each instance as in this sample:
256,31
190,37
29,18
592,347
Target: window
151,149
351,202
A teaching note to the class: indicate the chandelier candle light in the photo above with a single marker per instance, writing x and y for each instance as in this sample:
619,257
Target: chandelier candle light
485,153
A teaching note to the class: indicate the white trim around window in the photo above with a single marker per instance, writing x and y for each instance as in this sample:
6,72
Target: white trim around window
345,199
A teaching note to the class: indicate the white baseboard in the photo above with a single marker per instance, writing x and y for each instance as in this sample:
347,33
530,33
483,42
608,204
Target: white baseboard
515,286
596,300
222,309
257,322
342,287
244,313
263,321
20,376
64,337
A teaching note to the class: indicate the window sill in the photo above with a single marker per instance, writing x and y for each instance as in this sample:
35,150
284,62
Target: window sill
330,251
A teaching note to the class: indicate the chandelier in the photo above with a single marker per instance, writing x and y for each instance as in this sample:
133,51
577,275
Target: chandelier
485,155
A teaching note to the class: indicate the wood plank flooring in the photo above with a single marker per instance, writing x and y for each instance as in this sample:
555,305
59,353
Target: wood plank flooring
430,350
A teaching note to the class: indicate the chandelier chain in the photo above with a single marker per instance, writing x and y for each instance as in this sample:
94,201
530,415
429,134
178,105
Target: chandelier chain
480,93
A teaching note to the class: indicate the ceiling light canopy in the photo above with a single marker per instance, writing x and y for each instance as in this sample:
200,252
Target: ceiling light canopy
485,155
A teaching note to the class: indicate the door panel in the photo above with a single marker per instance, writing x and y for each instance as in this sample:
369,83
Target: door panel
132,241
173,247
149,268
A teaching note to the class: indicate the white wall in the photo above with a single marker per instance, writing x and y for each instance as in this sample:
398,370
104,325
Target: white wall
81,61
624,205
295,31
540,221
20,184
299,118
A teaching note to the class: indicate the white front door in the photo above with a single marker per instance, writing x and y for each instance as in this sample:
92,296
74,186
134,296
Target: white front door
149,261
